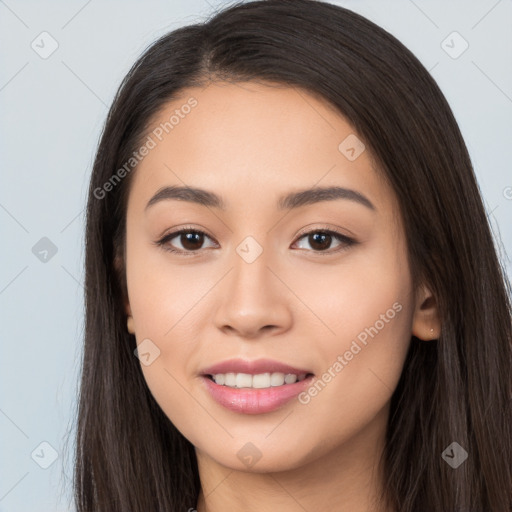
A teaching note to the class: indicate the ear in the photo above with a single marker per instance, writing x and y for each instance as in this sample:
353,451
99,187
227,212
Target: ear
426,324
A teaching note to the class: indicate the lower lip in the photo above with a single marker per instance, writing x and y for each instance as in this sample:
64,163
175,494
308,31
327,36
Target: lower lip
255,401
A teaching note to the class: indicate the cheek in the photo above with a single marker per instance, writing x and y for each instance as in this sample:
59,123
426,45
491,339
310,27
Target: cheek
165,306
360,375
161,290
369,289
162,300
167,310
369,311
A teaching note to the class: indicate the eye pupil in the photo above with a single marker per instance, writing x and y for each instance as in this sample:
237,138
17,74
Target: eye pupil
319,239
193,238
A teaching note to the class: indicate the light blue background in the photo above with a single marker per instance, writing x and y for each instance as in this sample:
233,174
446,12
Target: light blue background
52,113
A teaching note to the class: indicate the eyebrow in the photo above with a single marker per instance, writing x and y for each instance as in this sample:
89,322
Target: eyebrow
287,202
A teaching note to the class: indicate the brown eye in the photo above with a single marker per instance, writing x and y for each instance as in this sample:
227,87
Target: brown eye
321,240
184,241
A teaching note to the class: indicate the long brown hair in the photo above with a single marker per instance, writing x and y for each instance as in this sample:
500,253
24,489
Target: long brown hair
129,456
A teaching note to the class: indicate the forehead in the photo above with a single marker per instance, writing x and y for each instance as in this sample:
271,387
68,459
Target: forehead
249,137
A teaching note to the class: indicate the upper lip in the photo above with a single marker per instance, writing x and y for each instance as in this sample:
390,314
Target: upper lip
252,367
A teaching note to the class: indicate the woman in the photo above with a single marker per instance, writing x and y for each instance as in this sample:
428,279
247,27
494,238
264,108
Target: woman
293,298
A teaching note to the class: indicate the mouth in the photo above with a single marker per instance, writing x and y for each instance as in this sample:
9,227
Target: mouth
240,393
254,387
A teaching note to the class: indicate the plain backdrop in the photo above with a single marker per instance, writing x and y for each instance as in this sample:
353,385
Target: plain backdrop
52,111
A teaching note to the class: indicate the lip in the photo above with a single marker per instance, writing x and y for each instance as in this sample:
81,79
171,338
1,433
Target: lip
252,367
255,401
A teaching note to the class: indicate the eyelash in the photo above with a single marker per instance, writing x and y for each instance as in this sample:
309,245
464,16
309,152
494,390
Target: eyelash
345,240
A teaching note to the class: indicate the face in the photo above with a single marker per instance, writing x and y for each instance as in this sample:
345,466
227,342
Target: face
315,285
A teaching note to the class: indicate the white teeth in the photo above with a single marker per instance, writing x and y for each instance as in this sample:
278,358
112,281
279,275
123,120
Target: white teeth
277,379
290,378
243,380
259,381
230,380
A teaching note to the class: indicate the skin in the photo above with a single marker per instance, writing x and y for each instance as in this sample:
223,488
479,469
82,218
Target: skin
251,143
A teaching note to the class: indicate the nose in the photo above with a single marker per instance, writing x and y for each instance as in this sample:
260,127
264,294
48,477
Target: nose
254,302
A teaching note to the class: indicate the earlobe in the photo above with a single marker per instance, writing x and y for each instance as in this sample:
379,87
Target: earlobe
426,323
130,325
127,308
